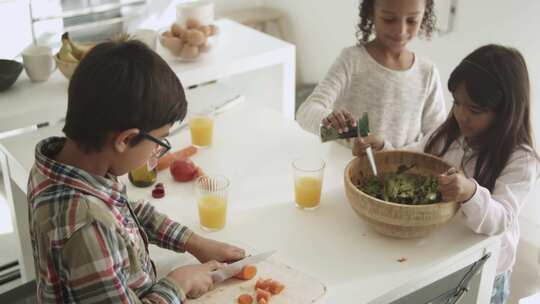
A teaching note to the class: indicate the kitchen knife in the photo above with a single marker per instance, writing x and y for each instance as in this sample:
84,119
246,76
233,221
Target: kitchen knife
234,268
363,130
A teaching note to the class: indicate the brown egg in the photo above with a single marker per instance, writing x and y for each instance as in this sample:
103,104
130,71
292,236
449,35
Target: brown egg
205,29
177,30
205,48
213,30
192,23
195,37
189,52
173,44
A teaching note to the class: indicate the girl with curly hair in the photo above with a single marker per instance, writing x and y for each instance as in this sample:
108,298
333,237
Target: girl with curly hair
401,92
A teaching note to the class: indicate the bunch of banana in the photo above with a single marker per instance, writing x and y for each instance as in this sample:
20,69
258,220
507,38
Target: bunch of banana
71,51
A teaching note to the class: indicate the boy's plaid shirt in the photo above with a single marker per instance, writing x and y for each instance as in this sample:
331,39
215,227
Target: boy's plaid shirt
87,245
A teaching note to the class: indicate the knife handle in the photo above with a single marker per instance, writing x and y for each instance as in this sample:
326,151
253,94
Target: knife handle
217,277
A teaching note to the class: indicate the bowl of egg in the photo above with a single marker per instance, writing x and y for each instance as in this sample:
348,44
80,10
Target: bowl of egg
189,41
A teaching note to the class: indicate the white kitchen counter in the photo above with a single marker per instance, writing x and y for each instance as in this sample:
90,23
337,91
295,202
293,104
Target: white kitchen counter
254,147
238,49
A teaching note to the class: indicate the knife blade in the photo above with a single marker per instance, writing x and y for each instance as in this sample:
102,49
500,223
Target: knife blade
371,159
234,268
363,130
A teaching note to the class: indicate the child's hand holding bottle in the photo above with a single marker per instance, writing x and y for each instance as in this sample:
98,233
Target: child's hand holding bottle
455,186
340,120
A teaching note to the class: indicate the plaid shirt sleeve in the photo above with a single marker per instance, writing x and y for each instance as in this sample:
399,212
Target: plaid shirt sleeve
161,230
96,261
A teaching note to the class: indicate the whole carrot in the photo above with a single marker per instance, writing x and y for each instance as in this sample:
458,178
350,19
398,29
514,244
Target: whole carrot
166,160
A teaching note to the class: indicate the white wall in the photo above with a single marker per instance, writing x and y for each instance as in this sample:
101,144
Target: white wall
320,29
15,33
161,13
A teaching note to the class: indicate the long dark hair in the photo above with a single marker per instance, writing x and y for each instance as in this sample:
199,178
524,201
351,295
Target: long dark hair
497,80
367,13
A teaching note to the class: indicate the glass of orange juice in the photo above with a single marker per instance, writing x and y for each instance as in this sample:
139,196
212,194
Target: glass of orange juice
211,194
308,178
201,126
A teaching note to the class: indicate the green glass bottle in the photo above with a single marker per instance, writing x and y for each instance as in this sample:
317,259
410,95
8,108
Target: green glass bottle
142,177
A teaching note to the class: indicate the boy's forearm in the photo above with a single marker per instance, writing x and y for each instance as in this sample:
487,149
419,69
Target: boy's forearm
160,229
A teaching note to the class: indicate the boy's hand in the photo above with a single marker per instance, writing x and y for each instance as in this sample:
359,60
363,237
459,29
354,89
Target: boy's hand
340,120
207,249
455,186
362,143
195,280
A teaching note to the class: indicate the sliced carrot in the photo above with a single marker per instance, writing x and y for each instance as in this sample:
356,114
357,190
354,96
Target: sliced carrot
263,294
276,287
166,160
263,284
245,299
247,273
262,301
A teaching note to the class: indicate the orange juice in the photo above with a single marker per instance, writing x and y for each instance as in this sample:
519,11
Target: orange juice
212,212
308,192
201,131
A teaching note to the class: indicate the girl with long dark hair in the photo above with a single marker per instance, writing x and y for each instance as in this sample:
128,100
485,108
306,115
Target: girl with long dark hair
488,139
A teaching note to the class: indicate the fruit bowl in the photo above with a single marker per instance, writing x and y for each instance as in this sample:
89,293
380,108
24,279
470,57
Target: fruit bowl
70,54
190,41
9,72
393,219
66,67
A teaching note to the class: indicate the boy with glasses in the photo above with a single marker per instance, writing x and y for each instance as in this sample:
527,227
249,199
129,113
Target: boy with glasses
90,242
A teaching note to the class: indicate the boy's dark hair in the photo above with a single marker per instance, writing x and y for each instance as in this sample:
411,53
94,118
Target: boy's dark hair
121,85
367,11
497,80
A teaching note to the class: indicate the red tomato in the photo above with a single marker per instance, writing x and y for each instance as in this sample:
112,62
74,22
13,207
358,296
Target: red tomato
183,170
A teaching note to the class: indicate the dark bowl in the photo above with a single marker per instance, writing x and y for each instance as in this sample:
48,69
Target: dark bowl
9,72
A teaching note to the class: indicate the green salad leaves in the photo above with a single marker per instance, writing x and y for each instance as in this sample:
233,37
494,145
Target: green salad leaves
409,189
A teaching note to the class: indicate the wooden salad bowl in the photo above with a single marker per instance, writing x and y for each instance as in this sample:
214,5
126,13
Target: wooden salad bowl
394,219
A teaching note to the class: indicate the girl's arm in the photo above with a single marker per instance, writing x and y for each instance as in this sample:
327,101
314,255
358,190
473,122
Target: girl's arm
320,103
492,213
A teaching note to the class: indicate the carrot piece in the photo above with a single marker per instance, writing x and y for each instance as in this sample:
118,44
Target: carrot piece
245,299
166,160
247,273
263,294
276,287
262,301
263,284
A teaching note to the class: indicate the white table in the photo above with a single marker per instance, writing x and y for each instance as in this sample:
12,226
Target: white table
238,49
254,147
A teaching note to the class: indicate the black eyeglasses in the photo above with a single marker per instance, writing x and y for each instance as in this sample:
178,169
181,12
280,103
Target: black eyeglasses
163,145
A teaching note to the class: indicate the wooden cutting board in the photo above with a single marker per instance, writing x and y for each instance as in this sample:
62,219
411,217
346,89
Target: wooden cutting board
299,287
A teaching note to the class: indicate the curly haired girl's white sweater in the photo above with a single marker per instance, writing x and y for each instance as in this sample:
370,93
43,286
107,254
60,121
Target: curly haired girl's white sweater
402,105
